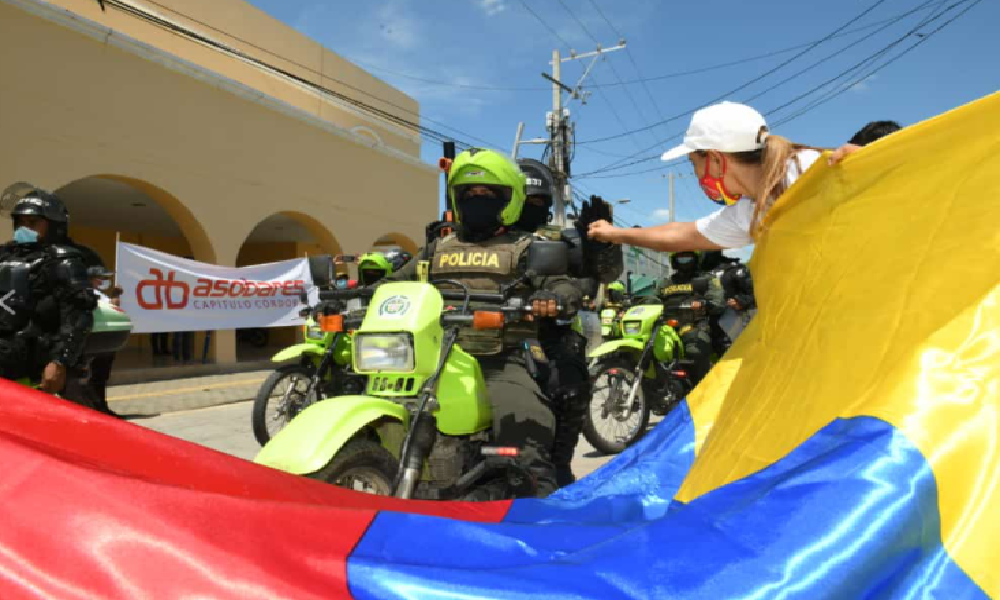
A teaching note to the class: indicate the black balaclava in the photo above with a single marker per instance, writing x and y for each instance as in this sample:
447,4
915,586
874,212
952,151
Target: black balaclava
534,216
685,263
370,276
479,215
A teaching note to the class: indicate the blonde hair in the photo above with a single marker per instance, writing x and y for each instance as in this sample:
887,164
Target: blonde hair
773,160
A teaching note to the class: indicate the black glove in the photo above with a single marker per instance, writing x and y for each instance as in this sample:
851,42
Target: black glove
604,260
591,211
745,301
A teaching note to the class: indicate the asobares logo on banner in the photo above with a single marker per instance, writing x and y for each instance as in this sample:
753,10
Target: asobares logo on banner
166,292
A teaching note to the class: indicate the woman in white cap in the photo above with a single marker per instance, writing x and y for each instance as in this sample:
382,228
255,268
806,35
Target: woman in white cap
739,165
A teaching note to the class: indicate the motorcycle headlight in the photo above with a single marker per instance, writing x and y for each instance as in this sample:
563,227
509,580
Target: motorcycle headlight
632,327
313,332
384,352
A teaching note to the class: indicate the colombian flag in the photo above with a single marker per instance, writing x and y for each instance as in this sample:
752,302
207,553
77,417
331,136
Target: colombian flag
848,446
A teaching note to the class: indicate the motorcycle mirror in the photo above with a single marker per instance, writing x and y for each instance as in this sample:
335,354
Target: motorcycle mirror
548,258
304,298
321,269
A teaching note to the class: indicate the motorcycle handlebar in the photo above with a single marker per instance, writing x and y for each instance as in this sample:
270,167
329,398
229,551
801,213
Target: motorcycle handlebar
446,294
474,297
346,294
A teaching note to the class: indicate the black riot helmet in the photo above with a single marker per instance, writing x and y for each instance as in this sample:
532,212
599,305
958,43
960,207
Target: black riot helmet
539,184
712,259
48,206
686,262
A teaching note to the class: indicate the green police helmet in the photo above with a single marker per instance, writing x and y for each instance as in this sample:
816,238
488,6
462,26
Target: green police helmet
375,260
491,169
373,267
617,285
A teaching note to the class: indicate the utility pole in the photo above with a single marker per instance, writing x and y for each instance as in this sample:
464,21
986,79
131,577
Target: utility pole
560,158
559,126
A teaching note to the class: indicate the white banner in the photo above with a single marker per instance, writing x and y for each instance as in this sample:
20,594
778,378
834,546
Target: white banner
163,292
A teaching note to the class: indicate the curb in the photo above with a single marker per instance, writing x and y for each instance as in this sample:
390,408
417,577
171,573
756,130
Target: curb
185,394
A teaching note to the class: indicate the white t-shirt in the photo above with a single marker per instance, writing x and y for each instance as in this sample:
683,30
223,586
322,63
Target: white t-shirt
729,226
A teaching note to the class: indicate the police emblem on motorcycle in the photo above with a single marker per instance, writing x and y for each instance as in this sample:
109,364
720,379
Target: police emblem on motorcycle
394,306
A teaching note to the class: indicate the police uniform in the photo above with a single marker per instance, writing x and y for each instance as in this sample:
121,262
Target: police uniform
568,383
522,413
47,313
694,326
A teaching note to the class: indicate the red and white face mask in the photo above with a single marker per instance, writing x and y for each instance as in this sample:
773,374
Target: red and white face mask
714,187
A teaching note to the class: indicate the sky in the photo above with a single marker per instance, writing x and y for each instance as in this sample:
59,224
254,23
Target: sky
485,59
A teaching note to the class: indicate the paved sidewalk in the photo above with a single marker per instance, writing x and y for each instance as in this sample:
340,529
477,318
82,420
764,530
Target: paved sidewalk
184,394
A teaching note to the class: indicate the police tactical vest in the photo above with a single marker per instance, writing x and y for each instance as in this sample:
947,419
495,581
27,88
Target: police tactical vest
484,267
676,293
17,274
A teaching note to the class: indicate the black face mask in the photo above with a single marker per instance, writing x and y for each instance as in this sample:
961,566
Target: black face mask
370,276
480,216
685,264
533,217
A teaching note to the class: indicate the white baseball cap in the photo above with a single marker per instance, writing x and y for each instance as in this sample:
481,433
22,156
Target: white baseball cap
725,127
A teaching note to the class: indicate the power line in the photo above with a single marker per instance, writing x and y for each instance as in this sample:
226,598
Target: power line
664,76
628,53
848,86
631,173
743,85
614,72
375,111
617,164
544,24
837,53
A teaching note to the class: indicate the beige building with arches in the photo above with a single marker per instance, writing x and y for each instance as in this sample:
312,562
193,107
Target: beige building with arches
192,146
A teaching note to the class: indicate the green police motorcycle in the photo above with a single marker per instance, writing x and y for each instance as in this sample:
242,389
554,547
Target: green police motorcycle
424,428
321,367
615,308
610,325
321,370
641,373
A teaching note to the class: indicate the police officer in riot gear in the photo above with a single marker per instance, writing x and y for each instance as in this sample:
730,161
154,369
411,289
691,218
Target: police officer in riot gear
692,297
47,309
563,341
486,193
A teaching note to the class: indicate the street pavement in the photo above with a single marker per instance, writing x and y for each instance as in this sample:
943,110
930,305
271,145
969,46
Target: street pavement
226,428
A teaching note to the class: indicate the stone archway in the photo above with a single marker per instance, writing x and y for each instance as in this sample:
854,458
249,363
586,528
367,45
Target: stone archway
396,240
279,236
106,208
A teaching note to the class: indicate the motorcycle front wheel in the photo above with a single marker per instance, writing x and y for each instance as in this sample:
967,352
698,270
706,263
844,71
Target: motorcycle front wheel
611,424
282,396
361,465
